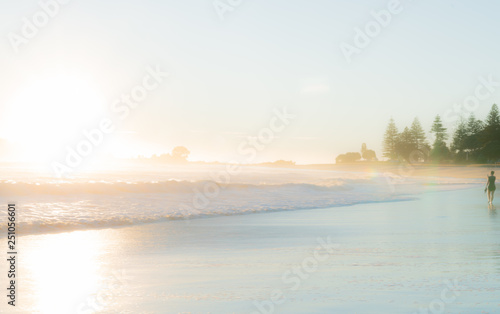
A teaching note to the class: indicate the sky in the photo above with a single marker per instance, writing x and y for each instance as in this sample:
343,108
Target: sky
228,76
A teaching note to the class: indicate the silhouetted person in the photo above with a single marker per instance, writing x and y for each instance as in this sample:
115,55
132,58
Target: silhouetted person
491,187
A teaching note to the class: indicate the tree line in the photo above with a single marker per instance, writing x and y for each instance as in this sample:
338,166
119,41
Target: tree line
366,154
472,141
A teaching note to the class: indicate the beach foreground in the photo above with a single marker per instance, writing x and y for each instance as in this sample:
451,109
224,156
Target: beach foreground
437,254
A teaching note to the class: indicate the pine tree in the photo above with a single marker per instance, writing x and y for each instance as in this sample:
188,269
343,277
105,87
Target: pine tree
439,149
439,131
406,137
406,144
491,135
390,140
474,126
474,130
493,118
492,127
460,137
418,134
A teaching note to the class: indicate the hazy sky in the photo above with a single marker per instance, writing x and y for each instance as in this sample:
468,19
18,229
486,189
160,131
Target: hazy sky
227,76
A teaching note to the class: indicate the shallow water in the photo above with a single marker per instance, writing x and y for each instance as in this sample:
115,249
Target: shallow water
441,253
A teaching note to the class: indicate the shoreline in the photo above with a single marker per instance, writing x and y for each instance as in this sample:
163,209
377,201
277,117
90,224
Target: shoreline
401,198
214,216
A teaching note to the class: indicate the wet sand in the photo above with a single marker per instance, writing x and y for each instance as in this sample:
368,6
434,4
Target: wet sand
440,252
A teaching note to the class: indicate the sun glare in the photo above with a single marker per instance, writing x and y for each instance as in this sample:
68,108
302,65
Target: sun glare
68,264
49,112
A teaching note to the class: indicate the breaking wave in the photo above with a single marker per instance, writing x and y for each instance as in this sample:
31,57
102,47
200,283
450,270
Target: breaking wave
46,206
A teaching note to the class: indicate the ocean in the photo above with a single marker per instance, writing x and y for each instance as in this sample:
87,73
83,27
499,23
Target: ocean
132,195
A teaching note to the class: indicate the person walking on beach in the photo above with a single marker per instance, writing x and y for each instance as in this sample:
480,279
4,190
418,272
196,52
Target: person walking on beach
490,187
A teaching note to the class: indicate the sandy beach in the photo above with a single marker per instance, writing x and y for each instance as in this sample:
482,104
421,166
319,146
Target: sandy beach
437,253
473,171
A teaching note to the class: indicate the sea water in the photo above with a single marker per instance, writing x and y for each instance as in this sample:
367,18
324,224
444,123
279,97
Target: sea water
130,195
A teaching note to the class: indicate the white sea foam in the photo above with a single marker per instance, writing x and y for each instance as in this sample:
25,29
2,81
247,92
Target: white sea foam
143,195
